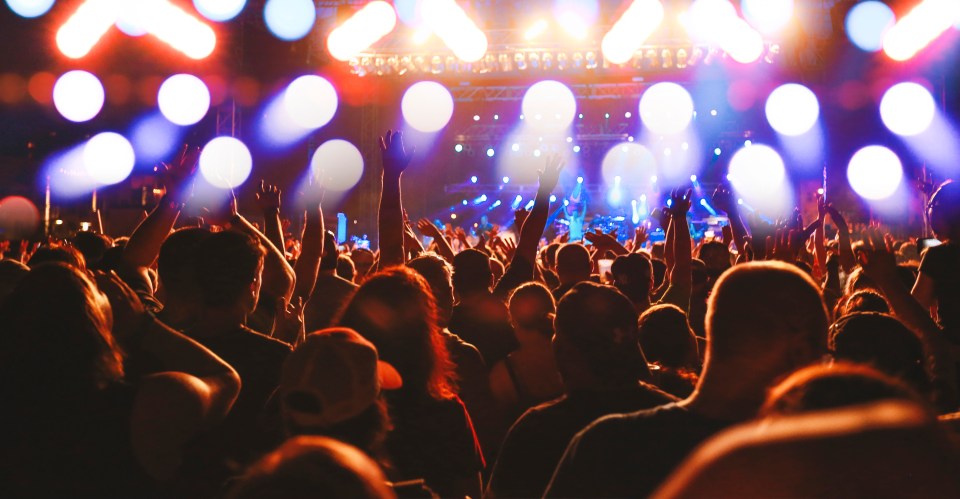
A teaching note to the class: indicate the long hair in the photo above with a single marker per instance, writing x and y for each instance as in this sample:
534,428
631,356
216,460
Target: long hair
397,312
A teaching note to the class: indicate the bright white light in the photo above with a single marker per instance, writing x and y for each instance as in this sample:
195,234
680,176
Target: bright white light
154,138
427,106
225,162
337,164
310,101
132,19
757,172
358,33
717,22
30,8
108,158
743,43
452,25
907,109
515,147
490,152
553,102
536,29
219,10
289,19
666,108
921,26
576,16
628,34
78,96
629,162
506,180
768,16
875,172
866,24
81,32
792,109
177,28
183,99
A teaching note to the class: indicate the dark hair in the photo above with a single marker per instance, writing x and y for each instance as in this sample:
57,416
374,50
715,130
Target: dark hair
92,246
177,262
395,310
864,300
56,336
330,256
437,273
633,275
62,253
573,258
715,255
842,384
666,337
227,263
345,268
532,306
471,271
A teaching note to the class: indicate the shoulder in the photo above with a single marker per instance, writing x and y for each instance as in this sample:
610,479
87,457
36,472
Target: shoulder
265,342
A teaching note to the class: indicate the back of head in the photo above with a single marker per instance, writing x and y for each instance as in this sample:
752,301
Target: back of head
596,328
363,260
228,269
864,300
666,337
328,261
56,335
532,307
177,263
715,255
550,255
395,310
471,272
945,210
883,342
438,274
346,269
633,275
765,318
573,263
60,253
308,467
11,273
92,246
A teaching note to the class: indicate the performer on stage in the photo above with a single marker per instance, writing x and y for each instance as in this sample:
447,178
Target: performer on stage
575,210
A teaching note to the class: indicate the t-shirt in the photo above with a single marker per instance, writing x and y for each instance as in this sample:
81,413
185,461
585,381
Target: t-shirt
484,322
536,441
942,264
629,455
434,440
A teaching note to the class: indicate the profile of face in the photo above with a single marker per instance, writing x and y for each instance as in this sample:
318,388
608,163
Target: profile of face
943,210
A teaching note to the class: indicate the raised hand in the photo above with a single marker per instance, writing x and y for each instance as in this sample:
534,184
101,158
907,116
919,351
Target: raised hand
723,199
268,197
837,218
821,208
550,174
289,327
427,228
727,232
640,236
395,157
519,216
876,256
680,202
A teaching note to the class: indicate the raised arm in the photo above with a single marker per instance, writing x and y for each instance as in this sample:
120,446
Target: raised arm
723,198
390,215
848,261
144,245
308,264
268,199
681,278
819,239
536,221
444,249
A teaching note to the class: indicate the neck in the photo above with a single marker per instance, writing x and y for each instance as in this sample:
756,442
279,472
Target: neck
727,398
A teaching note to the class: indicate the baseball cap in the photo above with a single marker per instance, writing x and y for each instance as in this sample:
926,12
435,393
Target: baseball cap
333,376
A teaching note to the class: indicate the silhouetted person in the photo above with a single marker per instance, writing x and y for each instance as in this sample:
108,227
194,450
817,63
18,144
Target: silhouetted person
479,317
330,293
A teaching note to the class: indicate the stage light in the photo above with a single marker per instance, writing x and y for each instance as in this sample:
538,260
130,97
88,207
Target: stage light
337,164
716,22
516,202
920,27
183,99
747,143
866,24
225,162
473,179
81,32
576,17
713,112
576,148
427,106
19,218
629,162
495,204
453,216
490,152
907,109
633,28
666,108
458,148
177,28
78,96
506,180
529,205
743,43
365,28
108,158
452,25
792,109
464,202
515,147
30,8
480,199
132,19
289,20
551,103
536,153
553,199
579,180
653,179
476,117
310,101
536,29
757,172
875,172
768,16
693,178
154,138
219,10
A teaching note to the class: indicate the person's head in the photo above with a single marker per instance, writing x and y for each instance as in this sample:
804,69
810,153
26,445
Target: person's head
56,335
345,268
550,255
883,342
832,386
715,255
312,466
62,253
596,338
633,276
328,261
395,310
666,337
944,210
864,300
438,274
471,273
330,385
573,263
764,320
363,260
177,265
92,246
229,265
497,269
11,273
532,308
